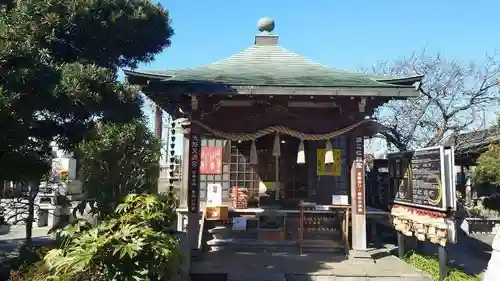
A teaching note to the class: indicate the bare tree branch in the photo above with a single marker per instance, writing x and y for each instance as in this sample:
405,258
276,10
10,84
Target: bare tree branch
454,95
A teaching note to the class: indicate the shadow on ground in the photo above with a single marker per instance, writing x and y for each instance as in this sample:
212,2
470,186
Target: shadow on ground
293,266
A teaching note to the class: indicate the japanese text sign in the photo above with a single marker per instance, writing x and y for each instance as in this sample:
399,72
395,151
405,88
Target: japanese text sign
359,169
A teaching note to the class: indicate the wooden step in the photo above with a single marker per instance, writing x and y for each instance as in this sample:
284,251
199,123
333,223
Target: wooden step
251,242
252,245
255,245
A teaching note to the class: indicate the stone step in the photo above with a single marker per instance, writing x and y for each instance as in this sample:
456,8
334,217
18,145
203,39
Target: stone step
227,231
243,244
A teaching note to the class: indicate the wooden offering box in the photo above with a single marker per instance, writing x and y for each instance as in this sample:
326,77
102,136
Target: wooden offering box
217,213
324,227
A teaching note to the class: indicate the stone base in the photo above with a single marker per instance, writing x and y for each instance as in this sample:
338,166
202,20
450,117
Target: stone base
357,257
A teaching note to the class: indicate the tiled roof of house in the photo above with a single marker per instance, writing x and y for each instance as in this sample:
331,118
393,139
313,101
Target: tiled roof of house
476,140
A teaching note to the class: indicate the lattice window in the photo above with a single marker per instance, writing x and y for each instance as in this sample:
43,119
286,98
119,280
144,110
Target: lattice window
242,173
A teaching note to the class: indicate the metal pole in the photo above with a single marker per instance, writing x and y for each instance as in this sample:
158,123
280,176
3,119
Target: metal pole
401,245
277,181
443,263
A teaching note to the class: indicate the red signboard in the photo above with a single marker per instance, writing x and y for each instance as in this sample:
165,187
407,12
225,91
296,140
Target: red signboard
360,177
211,160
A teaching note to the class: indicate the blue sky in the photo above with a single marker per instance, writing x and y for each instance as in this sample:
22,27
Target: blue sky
344,34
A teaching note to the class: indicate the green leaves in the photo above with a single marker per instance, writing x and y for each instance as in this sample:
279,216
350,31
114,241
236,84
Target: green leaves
119,159
58,73
130,245
488,167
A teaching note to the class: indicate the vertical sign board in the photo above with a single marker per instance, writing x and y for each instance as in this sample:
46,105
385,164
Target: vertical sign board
194,172
360,176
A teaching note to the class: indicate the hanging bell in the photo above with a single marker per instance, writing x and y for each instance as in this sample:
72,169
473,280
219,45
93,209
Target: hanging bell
329,152
301,154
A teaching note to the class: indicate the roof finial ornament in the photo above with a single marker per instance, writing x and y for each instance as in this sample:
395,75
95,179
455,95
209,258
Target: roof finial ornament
266,24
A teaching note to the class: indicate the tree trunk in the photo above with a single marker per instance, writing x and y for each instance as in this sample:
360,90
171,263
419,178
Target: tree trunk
33,192
26,248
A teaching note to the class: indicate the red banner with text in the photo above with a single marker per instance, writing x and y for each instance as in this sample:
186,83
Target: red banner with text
211,160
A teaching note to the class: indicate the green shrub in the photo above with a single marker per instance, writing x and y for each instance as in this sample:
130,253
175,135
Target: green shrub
132,245
488,167
36,271
430,265
30,266
483,210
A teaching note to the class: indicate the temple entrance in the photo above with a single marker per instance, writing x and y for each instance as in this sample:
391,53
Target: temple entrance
266,104
273,181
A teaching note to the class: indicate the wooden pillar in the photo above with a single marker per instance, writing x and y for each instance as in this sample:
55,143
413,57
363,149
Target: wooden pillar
358,202
158,121
193,180
468,186
193,187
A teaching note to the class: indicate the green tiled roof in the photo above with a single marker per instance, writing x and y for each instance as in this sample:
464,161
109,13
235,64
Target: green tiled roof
271,66
268,64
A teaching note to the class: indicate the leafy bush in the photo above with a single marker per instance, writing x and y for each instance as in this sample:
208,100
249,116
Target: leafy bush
133,244
116,160
487,207
488,167
36,271
31,267
492,202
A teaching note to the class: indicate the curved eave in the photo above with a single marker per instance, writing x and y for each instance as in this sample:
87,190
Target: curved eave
150,75
379,85
391,87
170,78
405,81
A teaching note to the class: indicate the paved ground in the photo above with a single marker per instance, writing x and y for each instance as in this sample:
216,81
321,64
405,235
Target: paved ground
308,267
19,232
12,241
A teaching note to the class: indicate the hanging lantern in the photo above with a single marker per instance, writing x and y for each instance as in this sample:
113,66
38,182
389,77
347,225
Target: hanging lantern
329,152
301,155
254,159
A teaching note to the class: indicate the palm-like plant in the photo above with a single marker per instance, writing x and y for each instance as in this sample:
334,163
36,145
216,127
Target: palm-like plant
133,244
